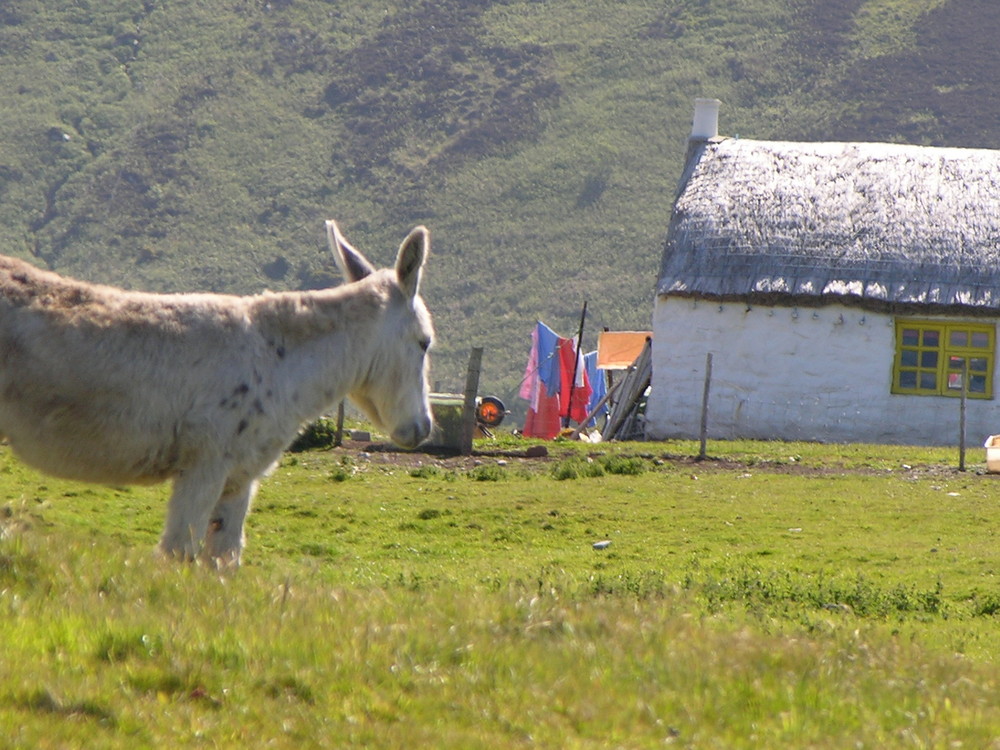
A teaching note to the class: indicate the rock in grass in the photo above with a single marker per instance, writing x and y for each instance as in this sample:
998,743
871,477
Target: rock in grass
603,544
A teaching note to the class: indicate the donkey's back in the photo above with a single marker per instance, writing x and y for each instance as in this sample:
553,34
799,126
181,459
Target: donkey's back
101,384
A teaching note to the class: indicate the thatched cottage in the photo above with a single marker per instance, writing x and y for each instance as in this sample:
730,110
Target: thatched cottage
846,291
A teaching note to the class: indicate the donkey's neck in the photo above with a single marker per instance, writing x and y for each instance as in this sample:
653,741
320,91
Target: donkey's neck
325,340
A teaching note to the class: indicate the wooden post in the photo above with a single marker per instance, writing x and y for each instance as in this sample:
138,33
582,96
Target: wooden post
961,415
610,373
704,406
469,406
338,437
576,364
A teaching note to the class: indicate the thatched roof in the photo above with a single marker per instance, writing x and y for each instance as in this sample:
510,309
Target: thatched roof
869,224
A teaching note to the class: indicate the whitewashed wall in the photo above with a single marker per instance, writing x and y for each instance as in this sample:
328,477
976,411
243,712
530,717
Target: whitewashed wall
793,374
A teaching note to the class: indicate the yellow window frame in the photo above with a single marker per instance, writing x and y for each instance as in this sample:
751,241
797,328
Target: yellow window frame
933,358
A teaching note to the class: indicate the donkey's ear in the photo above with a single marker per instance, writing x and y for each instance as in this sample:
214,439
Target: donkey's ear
352,263
410,260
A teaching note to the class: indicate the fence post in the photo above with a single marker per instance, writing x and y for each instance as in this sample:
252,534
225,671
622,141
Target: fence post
469,406
961,416
338,437
704,406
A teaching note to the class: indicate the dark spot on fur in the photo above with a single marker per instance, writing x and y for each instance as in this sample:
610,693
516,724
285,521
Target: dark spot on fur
280,352
258,406
241,426
234,399
216,524
77,297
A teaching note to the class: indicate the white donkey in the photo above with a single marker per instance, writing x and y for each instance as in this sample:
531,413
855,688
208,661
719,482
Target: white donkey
104,385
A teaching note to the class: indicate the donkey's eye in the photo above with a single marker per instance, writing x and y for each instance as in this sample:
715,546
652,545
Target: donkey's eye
425,344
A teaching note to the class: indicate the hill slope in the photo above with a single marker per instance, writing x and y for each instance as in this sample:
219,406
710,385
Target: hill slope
188,145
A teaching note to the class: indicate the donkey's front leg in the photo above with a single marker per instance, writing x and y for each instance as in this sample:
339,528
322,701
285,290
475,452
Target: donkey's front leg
225,540
195,493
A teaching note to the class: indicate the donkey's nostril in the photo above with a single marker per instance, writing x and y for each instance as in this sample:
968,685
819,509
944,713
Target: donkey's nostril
412,434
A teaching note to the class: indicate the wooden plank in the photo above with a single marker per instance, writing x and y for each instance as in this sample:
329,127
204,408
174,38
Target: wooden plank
634,384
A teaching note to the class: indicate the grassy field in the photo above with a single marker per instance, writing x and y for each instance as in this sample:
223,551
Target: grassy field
775,595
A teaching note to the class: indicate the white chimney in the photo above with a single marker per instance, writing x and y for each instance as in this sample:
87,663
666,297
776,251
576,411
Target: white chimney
706,119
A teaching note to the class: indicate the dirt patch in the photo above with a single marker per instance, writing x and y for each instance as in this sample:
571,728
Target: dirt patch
389,455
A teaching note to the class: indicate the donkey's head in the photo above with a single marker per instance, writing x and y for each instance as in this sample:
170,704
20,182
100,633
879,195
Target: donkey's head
393,389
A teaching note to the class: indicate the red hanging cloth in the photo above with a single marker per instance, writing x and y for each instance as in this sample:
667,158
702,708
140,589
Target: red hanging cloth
577,410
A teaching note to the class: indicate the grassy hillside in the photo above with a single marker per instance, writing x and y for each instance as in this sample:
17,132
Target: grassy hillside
195,145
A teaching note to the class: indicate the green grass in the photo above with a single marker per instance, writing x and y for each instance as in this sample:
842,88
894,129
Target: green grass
776,595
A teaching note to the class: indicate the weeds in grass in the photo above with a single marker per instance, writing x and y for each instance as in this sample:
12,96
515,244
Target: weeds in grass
115,646
488,473
646,584
577,467
18,567
628,465
343,471
157,682
766,590
289,687
987,606
42,701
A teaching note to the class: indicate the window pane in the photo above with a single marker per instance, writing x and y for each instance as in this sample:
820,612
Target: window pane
928,381
956,363
954,381
977,384
928,359
908,380
958,338
908,358
977,364
980,339
932,338
911,337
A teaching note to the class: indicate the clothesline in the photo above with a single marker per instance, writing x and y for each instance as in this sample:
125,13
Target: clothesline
527,375
560,383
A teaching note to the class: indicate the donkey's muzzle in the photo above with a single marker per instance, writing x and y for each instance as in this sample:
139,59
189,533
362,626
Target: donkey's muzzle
413,434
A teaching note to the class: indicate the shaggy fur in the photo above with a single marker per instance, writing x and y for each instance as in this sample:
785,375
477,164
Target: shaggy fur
109,386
